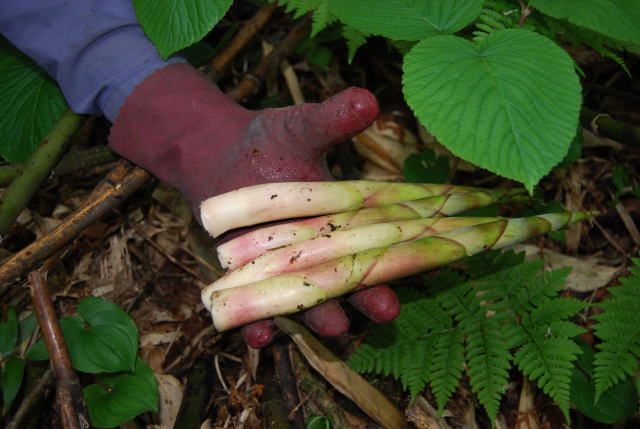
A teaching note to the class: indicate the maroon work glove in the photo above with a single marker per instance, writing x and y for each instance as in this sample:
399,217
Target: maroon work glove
186,132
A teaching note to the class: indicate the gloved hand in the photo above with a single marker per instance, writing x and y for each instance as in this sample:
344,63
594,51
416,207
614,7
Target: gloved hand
186,132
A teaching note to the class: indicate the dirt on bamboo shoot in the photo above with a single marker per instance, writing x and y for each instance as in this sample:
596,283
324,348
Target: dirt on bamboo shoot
276,201
251,245
301,289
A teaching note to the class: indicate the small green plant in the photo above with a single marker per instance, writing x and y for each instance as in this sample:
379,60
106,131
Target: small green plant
505,312
102,340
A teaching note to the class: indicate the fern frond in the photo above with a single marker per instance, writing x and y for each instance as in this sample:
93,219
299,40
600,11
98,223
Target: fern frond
417,363
354,38
447,365
619,330
492,261
495,15
548,361
405,347
321,17
488,361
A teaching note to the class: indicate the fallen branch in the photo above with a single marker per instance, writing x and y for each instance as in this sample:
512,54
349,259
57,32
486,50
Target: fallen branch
68,392
241,39
252,81
121,182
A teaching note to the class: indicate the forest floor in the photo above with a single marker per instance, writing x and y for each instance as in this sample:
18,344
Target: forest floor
150,258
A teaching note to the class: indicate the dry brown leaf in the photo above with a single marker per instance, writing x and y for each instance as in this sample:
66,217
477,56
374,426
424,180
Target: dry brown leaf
170,392
586,275
425,416
527,413
343,378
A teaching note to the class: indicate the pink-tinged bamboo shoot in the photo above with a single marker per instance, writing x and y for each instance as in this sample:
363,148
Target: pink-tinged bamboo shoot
296,291
251,245
275,201
337,244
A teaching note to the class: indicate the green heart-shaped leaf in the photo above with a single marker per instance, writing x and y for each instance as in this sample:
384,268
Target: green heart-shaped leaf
30,104
407,19
124,397
509,104
103,339
619,19
173,25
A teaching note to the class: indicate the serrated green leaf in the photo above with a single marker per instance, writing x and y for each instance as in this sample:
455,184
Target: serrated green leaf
30,104
407,19
104,339
447,365
619,19
9,332
173,25
509,104
355,39
38,351
11,381
128,395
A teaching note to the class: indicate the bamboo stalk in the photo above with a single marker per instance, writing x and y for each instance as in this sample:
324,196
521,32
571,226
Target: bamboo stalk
243,249
19,193
336,245
295,291
275,201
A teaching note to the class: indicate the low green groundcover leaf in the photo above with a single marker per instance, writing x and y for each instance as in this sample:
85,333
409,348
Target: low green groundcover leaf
619,19
9,332
509,104
407,19
116,399
26,327
615,405
30,104
173,25
38,351
102,339
425,167
10,381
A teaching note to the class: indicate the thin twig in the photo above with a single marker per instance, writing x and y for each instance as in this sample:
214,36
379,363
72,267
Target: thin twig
68,392
609,238
30,400
241,39
121,182
166,254
288,384
628,222
252,81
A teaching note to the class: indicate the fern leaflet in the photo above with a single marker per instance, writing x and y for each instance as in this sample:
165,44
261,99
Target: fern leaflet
619,331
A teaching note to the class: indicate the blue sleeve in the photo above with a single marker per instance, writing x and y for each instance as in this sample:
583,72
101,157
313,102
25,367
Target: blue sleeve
95,49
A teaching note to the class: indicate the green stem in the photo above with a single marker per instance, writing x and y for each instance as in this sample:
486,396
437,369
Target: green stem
37,168
622,132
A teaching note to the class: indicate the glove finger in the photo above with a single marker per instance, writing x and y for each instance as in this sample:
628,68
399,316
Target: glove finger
340,117
258,334
327,319
378,303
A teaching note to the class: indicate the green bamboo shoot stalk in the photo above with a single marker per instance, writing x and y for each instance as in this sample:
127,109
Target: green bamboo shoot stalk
251,245
275,201
37,168
336,245
295,291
